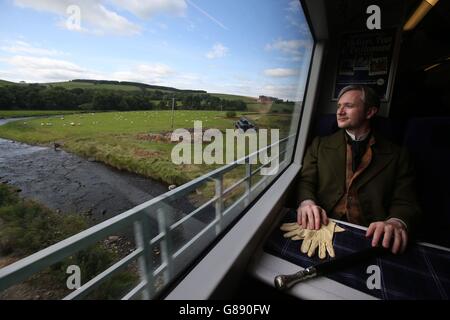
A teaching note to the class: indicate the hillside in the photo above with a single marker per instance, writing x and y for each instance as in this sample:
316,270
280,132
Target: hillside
130,86
117,85
115,91
234,97
4,82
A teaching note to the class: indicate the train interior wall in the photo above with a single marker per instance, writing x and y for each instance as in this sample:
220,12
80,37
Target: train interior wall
416,94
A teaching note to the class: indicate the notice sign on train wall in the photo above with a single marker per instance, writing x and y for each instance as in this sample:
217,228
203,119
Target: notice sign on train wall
366,58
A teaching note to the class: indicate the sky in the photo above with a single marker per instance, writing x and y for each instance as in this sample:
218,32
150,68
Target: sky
249,47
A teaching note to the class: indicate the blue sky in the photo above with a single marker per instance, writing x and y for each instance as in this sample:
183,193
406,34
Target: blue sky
249,47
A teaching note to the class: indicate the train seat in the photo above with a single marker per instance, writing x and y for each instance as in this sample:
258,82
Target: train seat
428,141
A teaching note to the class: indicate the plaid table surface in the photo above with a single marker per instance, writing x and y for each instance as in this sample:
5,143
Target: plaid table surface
420,273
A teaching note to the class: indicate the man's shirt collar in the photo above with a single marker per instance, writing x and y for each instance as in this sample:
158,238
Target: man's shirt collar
352,136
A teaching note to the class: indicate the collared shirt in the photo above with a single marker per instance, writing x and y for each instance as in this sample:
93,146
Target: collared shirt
358,148
351,135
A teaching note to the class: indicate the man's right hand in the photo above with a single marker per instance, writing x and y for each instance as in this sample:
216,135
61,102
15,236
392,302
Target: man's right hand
311,216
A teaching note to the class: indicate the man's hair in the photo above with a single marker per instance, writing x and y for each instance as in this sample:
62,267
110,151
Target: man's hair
369,97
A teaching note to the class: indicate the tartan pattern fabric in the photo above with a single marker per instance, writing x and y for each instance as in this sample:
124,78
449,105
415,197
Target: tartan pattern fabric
420,273
348,205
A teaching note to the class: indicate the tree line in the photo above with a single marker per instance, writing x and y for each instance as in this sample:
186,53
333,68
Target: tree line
41,97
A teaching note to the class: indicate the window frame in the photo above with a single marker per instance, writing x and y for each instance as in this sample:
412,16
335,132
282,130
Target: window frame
218,273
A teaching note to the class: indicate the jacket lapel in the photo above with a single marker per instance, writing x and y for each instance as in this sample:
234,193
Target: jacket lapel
336,149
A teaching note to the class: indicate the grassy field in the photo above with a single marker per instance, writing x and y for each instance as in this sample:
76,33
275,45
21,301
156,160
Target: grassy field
32,113
258,107
122,139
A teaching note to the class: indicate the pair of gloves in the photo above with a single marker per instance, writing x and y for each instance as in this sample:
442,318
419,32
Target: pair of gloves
313,239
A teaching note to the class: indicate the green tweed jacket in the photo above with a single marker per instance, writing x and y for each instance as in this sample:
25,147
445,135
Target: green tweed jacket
385,189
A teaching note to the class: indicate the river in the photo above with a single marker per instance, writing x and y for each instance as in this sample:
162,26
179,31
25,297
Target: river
68,183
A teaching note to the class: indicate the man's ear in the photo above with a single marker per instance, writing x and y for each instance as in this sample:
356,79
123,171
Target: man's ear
371,112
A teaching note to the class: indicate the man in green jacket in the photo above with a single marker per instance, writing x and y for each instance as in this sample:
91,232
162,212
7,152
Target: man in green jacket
358,176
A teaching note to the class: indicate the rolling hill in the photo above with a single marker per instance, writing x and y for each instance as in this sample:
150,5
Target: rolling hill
4,82
129,86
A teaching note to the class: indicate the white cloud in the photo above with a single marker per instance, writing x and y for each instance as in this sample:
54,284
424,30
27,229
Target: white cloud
146,73
147,8
217,51
293,6
292,49
163,26
41,69
289,46
295,18
186,81
290,92
94,17
281,72
20,46
159,74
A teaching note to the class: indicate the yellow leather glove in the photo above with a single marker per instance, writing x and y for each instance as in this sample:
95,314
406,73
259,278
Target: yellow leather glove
313,239
322,239
293,231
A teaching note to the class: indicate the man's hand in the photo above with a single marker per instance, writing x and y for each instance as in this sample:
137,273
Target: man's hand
393,233
311,216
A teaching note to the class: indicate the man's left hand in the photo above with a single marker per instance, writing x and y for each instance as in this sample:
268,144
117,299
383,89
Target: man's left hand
392,232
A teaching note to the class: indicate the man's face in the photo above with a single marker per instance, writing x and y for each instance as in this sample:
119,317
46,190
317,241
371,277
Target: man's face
351,113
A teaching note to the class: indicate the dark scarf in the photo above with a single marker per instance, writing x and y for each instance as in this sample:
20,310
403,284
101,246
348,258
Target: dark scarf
358,150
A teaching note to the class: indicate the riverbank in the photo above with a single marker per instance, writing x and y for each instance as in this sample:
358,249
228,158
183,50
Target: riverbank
70,184
27,227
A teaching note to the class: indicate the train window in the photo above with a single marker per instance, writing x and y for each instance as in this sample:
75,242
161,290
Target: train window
196,102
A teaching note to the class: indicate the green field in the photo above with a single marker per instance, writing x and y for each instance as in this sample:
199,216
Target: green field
258,107
120,139
32,113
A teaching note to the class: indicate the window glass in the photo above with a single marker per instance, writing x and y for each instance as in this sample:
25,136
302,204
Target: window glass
151,124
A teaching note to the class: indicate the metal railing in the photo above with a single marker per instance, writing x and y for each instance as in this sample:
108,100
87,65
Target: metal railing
139,218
